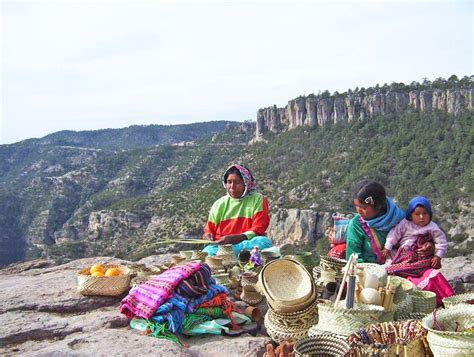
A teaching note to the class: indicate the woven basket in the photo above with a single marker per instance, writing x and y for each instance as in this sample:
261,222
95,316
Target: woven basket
389,344
330,270
104,285
307,317
404,307
279,334
186,253
287,285
214,262
250,295
225,249
376,269
346,321
404,287
322,345
248,278
423,301
458,299
412,316
449,342
199,255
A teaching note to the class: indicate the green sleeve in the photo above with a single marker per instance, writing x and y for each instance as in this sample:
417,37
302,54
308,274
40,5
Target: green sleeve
355,239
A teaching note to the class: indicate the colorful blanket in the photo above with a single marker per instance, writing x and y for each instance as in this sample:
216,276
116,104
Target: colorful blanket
145,299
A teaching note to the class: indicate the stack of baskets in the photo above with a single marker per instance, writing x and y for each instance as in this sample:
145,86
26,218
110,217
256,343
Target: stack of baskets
291,299
104,285
450,331
402,298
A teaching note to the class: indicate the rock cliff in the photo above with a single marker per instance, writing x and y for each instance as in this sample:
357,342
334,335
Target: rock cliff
319,110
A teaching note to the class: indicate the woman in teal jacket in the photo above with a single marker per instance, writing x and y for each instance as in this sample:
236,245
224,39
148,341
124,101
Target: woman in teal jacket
367,231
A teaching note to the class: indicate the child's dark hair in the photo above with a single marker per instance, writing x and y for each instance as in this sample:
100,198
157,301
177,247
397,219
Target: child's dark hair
232,170
372,193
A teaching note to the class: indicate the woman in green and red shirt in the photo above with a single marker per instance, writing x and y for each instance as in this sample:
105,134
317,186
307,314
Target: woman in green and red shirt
239,218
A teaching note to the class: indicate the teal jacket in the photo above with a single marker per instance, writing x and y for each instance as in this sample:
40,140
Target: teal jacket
358,242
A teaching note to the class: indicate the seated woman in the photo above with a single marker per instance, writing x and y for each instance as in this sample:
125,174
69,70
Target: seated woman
239,218
376,215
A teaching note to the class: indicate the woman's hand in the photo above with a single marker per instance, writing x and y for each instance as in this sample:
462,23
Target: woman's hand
231,239
426,250
436,262
386,253
207,236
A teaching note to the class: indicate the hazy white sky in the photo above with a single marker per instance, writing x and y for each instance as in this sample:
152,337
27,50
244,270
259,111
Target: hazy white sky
90,65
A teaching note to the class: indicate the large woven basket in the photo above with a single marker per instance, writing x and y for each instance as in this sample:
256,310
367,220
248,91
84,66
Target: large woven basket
423,301
287,285
104,285
280,334
449,342
458,299
346,321
307,317
326,345
399,339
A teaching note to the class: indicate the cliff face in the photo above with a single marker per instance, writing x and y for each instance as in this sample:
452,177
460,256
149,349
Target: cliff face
317,111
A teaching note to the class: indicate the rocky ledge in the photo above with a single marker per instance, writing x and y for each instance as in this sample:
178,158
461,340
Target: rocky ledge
43,314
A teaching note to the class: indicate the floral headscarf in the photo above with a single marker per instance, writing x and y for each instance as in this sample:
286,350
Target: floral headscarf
249,181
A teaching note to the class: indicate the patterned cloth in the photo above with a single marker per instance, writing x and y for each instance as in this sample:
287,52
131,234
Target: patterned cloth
407,262
143,300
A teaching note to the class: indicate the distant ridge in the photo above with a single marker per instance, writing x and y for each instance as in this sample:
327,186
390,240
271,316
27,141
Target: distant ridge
132,137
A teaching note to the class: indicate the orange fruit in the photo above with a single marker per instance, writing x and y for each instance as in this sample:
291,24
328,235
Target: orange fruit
97,268
112,272
97,273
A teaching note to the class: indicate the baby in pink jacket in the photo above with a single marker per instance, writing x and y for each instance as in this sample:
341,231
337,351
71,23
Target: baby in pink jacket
417,223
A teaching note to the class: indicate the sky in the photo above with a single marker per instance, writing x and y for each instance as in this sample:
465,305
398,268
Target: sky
88,65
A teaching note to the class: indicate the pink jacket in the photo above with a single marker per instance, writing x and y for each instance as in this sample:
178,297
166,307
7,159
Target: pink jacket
406,231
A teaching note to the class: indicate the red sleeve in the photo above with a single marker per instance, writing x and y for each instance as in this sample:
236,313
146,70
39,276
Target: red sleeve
261,220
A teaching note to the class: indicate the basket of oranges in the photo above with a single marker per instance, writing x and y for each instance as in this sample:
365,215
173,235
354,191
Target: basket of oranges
106,280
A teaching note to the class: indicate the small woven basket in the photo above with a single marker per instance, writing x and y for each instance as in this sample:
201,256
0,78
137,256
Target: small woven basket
453,340
423,301
322,345
458,299
199,255
104,285
248,278
404,287
214,262
250,295
346,321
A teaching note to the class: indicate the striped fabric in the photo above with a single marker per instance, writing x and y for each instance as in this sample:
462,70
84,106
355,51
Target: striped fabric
248,215
143,300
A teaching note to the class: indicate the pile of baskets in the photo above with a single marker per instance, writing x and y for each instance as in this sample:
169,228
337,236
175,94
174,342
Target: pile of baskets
291,298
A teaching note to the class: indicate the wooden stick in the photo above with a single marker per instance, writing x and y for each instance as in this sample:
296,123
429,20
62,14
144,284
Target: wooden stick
341,288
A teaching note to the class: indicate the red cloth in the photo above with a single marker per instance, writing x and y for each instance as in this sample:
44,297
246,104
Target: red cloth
338,251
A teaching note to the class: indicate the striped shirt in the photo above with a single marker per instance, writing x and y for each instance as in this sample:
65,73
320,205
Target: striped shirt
247,216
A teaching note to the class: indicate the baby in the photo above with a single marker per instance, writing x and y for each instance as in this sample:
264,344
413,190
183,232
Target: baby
414,231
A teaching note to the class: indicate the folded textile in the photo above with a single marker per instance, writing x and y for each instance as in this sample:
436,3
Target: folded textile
143,300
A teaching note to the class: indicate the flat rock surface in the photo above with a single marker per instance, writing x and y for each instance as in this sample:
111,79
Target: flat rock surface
43,314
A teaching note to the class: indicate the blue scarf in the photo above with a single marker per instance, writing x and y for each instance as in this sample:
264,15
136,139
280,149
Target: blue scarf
386,221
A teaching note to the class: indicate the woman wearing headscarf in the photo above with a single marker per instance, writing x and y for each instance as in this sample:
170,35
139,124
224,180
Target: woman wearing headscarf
240,217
